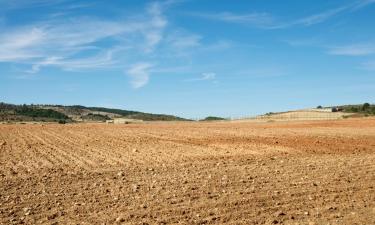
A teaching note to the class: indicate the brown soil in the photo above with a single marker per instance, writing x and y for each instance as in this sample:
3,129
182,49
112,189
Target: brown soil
315,172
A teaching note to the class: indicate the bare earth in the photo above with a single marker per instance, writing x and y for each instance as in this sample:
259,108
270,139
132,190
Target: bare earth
312,172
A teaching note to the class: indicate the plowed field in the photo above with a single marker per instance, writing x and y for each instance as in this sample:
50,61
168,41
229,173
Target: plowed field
312,172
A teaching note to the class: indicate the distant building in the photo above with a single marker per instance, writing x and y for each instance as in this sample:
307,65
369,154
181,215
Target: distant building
123,121
336,109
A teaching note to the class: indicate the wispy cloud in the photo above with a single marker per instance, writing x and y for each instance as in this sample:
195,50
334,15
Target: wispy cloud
102,60
139,74
17,4
353,50
204,77
362,50
328,14
84,43
74,43
154,31
252,19
314,19
15,46
183,40
268,21
208,76
363,3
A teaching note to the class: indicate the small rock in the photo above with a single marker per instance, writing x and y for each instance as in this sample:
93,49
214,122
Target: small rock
280,213
3,143
51,217
13,171
135,150
120,219
27,211
120,174
135,187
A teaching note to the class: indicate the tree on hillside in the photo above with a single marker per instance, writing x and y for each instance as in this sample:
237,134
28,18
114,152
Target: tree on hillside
365,106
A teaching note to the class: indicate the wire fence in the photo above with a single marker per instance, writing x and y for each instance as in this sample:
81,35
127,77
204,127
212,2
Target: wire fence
308,115
292,115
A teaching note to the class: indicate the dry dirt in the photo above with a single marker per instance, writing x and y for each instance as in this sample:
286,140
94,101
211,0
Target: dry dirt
315,172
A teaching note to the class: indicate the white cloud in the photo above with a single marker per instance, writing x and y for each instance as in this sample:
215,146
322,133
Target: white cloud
253,19
74,43
328,14
356,50
14,45
353,50
187,42
16,4
204,77
268,21
363,3
103,59
183,40
139,74
318,18
153,32
208,76
62,45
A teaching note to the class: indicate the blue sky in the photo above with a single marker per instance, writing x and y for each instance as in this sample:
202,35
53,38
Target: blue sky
188,58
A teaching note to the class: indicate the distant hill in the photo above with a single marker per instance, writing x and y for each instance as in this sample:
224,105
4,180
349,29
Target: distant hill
9,112
321,113
75,113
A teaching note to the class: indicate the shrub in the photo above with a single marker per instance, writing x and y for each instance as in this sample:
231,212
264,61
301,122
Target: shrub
211,118
354,109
